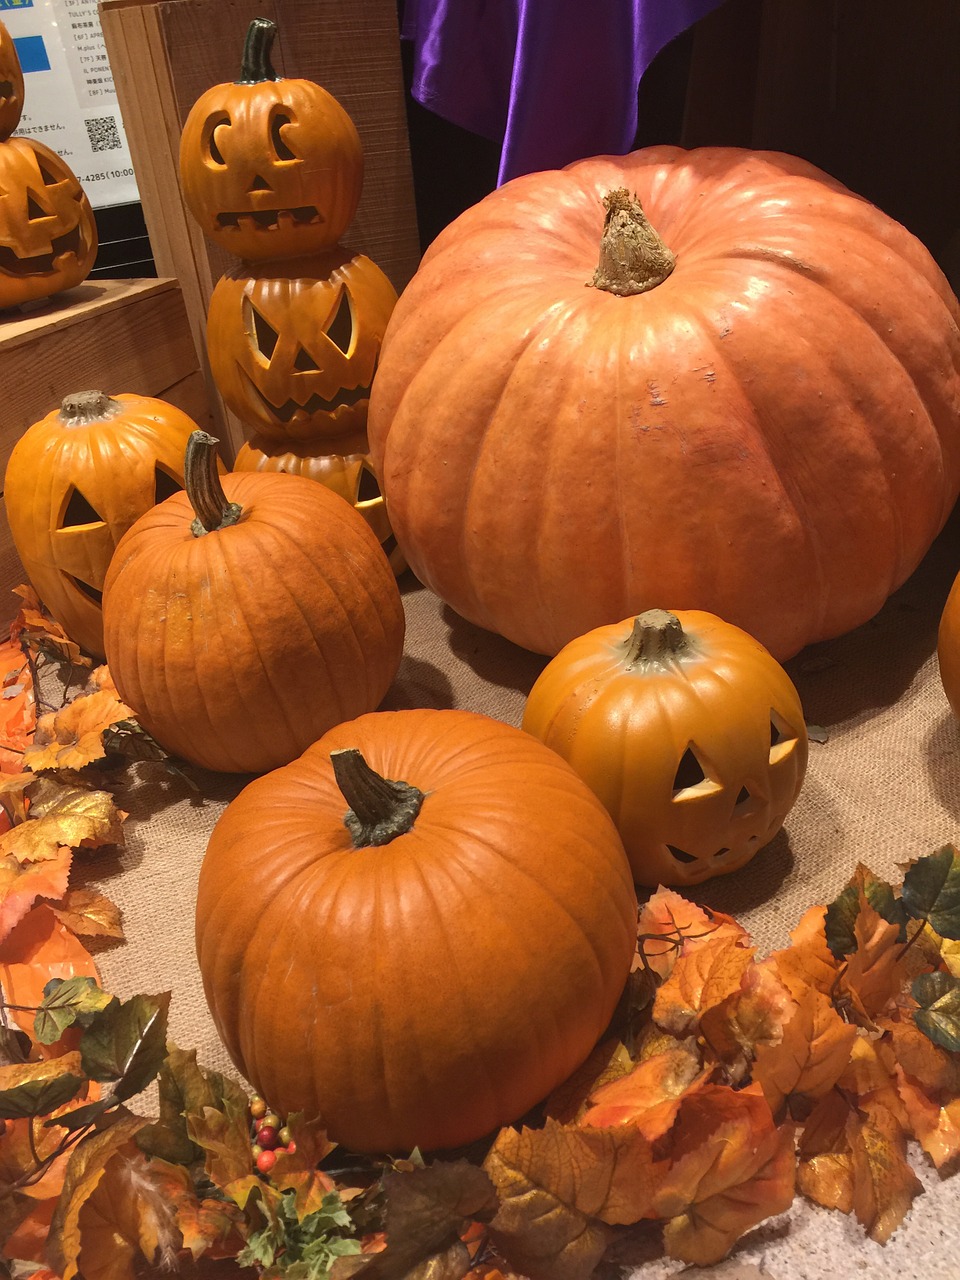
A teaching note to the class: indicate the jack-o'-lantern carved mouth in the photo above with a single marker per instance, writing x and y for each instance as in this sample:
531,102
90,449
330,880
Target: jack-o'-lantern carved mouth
6,89
12,265
346,398
306,215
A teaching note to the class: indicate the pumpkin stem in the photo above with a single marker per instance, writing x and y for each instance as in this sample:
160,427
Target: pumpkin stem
633,258
202,483
84,407
256,66
380,810
657,640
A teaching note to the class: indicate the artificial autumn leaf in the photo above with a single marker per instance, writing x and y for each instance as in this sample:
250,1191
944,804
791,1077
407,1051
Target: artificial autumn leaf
37,949
919,1056
938,995
842,913
731,1169
666,918
650,1096
183,1087
73,736
66,1001
825,1168
38,630
126,1043
125,1219
85,1168
752,1016
18,713
425,1212
89,914
608,1061
87,817
702,977
931,891
21,885
874,973
297,1170
209,1227
223,1133
808,961
884,1185
811,1056
936,1127
13,797
950,955
35,1088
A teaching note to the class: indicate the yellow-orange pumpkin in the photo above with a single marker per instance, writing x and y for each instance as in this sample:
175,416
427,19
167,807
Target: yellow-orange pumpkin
450,932
770,431
11,85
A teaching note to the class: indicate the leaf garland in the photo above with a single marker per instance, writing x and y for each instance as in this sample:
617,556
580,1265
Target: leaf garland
726,1085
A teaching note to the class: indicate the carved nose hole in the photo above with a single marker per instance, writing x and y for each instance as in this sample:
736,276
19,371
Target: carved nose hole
721,852
34,211
305,362
681,855
79,511
259,184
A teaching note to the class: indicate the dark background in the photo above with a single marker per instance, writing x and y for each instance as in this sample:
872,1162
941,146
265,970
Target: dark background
869,90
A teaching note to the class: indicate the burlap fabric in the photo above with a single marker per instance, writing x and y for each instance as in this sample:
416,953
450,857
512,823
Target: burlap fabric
884,787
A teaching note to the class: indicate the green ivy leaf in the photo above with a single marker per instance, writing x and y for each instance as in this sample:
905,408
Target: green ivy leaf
38,1097
931,891
938,1017
67,1001
842,913
127,1043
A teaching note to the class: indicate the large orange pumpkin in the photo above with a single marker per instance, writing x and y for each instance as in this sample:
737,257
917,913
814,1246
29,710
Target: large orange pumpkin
271,167
416,930
768,430
242,621
687,730
11,85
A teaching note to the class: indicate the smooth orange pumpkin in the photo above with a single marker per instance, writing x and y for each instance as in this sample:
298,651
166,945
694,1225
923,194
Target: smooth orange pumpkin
243,621
294,346
687,729
271,167
447,911
11,85
948,648
75,483
768,429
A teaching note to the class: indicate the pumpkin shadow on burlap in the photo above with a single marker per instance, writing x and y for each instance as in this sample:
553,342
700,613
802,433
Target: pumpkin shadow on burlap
942,752
418,684
492,657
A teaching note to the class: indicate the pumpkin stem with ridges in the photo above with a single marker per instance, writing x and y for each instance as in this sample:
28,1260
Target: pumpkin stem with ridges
201,480
256,66
657,640
380,810
83,407
633,258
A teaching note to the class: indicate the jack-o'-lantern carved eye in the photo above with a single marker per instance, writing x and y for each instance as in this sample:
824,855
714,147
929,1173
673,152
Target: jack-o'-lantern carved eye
212,146
277,141
340,330
265,337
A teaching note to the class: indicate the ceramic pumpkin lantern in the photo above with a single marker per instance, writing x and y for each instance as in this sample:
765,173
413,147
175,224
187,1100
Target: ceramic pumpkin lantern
448,910
294,346
756,412
270,167
75,483
687,730
242,620
348,473
11,85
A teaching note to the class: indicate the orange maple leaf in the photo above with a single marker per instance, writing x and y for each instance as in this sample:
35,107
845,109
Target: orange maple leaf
650,1096
706,973
35,628
609,1061
808,961
73,736
753,1016
667,917
810,1058
37,949
875,972
884,1185
825,1169
18,713
22,883
88,913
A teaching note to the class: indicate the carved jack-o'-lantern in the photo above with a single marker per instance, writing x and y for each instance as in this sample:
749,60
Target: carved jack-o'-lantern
11,85
48,236
75,482
270,167
348,473
293,346
687,729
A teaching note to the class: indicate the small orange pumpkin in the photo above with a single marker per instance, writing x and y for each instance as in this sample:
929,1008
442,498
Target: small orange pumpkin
294,345
448,912
242,621
11,85
687,729
948,648
75,483
348,473
270,167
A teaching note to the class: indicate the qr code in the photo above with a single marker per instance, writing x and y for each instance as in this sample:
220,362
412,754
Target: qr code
103,133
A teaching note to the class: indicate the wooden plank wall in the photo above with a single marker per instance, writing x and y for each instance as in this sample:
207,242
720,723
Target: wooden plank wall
165,53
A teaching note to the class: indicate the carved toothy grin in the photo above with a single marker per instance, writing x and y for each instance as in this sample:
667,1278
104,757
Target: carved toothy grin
306,215
291,409
11,265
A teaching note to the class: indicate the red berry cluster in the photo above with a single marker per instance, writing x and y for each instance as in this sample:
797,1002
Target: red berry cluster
270,1135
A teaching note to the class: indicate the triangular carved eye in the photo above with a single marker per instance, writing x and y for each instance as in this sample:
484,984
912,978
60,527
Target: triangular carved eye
34,209
368,490
164,485
340,328
78,511
264,336
49,179
694,777
782,737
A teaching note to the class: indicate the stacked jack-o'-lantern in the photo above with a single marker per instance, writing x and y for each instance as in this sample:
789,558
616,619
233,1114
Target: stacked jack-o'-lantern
272,170
48,236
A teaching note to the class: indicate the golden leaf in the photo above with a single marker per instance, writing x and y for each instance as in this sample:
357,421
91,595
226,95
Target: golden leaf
810,1057
702,977
884,1185
88,913
13,787
936,1127
73,736
825,1169
64,815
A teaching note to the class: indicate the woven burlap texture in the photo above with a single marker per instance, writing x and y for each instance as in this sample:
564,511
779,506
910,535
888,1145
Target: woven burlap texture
883,788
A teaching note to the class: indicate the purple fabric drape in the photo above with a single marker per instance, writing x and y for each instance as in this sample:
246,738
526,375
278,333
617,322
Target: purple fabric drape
556,80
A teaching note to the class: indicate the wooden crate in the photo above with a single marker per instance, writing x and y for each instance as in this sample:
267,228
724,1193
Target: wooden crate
165,53
109,335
